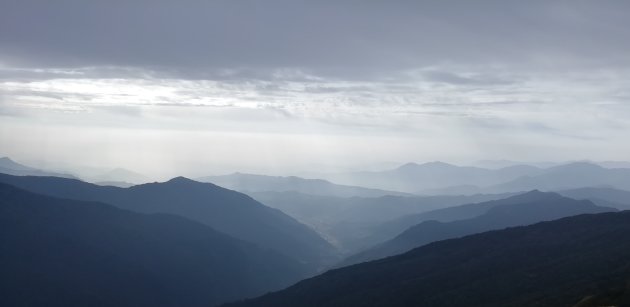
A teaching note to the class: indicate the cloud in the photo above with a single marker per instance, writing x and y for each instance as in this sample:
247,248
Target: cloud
350,39
432,79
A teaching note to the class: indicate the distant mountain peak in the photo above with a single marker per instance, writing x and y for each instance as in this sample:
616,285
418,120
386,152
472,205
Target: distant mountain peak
582,165
6,162
534,192
180,179
8,166
410,165
534,195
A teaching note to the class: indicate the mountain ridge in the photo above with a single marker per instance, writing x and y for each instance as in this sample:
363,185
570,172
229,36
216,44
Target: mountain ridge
554,263
262,183
69,252
233,213
524,209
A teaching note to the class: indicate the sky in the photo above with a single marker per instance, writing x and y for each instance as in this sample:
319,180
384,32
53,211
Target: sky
197,88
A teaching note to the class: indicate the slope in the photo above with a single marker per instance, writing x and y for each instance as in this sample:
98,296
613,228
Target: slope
555,263
227,211
528,208
74,253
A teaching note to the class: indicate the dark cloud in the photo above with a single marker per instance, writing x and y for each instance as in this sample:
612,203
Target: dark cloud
345,39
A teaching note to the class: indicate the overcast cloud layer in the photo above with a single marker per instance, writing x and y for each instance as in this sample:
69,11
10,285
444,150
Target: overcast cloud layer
198,87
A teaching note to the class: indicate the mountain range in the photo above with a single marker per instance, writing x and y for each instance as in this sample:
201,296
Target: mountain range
8,166
565,262
61,252
604,197
523,209
438,178
424,178
260,183
569,176
227,211
351,223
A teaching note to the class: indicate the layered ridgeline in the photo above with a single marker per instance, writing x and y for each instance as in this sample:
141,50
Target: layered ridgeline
61,252
604,197
557,263
437,178
609,197
261,183
524,209
563,177
352,222
227,211
428,178
570,176
8,166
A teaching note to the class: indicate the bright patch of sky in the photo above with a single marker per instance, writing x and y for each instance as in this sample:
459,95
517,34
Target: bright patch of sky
281,91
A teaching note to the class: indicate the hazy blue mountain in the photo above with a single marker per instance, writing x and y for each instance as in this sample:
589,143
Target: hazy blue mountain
437,178
120,175
261,183
429,177
557,263
614,164
465,189
8,166
120,184
476,207
228,211
619,199
524,209
350,222
496,164
569,176
61,252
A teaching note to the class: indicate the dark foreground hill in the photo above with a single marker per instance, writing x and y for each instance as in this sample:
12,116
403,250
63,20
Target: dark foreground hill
233,213
519,210
59,252
555,263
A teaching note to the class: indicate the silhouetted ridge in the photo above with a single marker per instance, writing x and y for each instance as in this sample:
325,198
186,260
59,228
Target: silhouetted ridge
61,252
556,263
523,209
180,180
233,213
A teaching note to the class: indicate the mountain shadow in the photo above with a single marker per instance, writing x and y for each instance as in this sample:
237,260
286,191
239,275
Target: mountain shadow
233,213
61,252
557,263
524,209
